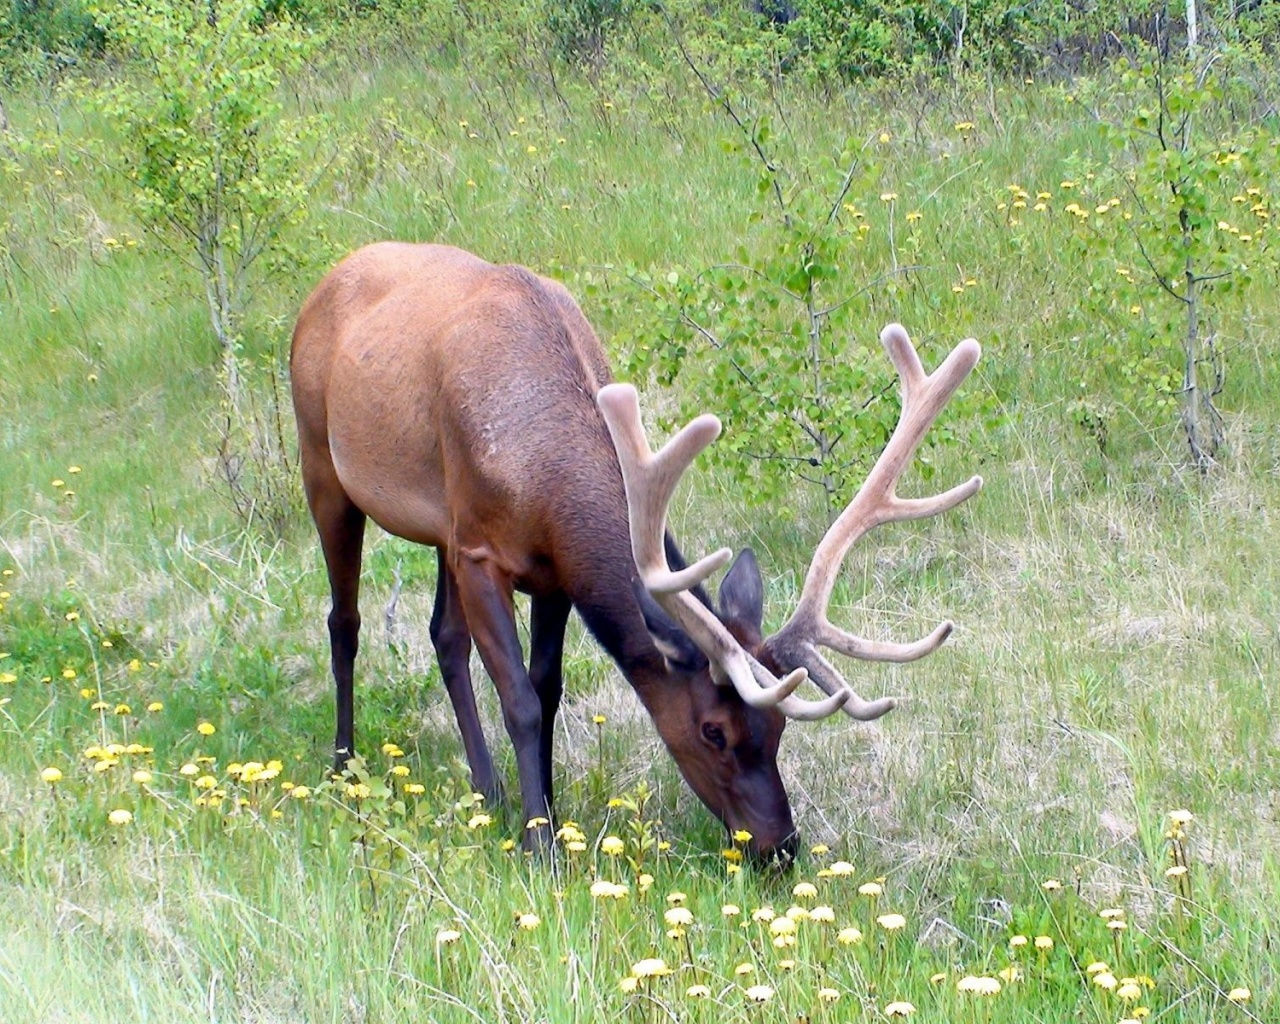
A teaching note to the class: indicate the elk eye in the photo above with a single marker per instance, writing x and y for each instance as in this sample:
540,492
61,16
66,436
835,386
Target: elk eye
713,734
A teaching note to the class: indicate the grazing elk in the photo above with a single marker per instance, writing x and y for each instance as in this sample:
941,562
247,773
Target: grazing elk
469,407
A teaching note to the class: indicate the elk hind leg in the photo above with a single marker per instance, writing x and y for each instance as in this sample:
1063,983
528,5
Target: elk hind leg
341,527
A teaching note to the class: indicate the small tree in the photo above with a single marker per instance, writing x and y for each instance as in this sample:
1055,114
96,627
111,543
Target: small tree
217,172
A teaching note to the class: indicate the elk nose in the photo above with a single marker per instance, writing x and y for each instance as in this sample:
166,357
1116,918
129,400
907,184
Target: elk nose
780,853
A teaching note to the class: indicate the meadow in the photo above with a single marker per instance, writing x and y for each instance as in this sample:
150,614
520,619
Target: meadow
1074,815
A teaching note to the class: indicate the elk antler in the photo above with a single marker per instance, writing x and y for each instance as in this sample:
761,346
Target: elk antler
650,480
795,645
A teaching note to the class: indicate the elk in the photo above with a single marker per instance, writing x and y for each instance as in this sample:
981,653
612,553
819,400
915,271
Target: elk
469,406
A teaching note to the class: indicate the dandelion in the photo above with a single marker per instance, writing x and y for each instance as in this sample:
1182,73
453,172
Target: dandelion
1044,943
891,922
819,849
478,821
872,889
1097,967
978,985
598,719
155,706
678,917
885,136
763,914
358,791
1238,995
527,922
300,792
142,777
901,1008
1181,818
888,197
68,673
1111,913
415,788
629,984
841,868
1050,885
1018,941
535,823
697,992
1105,980
400,770
1129,990
822,914
759,993
804,890
782,926
676,898
447,936
797,913
849,936
206,729
731,910
612,846
120,816
51,775
651,967
1010,974
742,970
742,836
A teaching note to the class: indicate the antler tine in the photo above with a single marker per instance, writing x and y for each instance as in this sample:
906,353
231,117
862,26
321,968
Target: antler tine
923,397
650,480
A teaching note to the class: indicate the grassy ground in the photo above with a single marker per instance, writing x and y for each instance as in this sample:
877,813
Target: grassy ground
1114,658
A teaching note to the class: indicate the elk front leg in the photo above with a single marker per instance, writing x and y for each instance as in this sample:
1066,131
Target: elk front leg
452,641
548,616
486,595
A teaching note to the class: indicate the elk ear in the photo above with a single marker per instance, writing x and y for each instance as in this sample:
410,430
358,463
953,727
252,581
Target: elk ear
673,643
742,594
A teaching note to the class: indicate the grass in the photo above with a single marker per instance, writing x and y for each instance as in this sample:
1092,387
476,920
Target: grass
1112,661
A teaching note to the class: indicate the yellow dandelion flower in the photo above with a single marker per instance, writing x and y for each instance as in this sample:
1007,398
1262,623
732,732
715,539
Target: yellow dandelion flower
891,922
1050,885
528,921
206,728
142,777
1111,913
415,788
901,1008
629,984
120,817
871,889
763,914
849,936
1010,974
697,992
818,849
300,792
804,890
1181,817
828,995
978,985
447,936
678,917
535,823
1018,941
1044,943
782,926
1106,980
1239,995
822,914
1097,967
598,719
841,868
51,775
888,197
1129,991
650,967
759,993
612,846
731,910
358,791
743,969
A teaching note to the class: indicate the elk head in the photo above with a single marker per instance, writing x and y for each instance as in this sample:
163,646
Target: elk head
726,743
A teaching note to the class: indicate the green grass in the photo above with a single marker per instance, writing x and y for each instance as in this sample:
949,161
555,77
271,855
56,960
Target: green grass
1113,658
